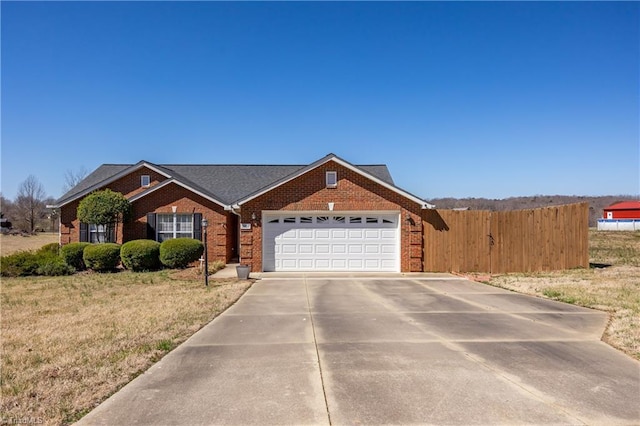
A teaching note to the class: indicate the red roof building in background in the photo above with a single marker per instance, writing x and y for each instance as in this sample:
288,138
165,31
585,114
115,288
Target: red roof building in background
623,210
624,216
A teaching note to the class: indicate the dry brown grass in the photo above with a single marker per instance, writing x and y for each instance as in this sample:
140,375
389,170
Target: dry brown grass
70,342
13,243
614,289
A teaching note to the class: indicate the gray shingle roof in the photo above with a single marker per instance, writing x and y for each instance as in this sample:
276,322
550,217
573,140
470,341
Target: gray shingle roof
101,174
225,183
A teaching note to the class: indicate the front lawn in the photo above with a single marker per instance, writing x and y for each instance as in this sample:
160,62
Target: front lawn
70,342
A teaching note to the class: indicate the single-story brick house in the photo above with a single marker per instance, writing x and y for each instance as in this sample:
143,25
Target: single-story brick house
330,215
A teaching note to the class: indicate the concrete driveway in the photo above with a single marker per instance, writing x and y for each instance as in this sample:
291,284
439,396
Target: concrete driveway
366,350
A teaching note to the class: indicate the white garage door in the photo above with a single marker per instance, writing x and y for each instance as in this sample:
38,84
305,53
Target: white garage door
331,242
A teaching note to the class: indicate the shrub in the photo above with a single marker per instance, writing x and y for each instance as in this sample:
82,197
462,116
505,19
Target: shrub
141,255
52,248
105,207
54,266
102,257
179,252
72,255
19,264
27,263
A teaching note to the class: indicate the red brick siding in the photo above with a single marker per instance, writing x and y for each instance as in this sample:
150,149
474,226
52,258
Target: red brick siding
129,185
353,193
69,224
160,201
185,201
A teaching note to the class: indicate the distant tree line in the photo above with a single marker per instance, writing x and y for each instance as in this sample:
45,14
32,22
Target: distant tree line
596,203
28,211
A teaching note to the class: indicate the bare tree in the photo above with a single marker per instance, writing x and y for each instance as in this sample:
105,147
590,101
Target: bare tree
30,206
72,178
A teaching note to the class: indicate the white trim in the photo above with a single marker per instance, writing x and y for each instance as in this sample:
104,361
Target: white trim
177,182
327,212
114,178
331,179
423,204
174,224
154,188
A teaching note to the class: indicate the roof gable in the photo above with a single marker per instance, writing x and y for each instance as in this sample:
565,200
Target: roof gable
338,160
103,176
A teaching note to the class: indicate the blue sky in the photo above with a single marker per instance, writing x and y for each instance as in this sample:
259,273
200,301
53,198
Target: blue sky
459,99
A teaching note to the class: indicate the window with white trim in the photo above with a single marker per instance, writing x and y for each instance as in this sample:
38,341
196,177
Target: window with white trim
174,225
145,181
332,179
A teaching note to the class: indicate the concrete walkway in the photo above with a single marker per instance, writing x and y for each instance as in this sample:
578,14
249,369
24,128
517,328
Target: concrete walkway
391,349
229,271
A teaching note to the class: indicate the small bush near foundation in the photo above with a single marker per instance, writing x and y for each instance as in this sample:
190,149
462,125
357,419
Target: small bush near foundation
72,255
54,266
102,257
141,255
180,252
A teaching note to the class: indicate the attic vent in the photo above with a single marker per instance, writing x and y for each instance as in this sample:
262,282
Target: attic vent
145,181
332,179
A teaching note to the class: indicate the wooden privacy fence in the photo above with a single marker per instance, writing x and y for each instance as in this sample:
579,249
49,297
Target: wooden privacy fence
546,239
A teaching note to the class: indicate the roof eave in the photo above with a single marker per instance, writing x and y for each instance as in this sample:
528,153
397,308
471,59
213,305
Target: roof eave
111,179
332,157
161,185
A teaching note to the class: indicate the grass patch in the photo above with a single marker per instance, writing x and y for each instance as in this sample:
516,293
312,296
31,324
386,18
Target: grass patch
70,342
614,289
14,243
558,295
614,247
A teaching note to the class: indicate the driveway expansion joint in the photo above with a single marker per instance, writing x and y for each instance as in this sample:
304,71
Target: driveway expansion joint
315,342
